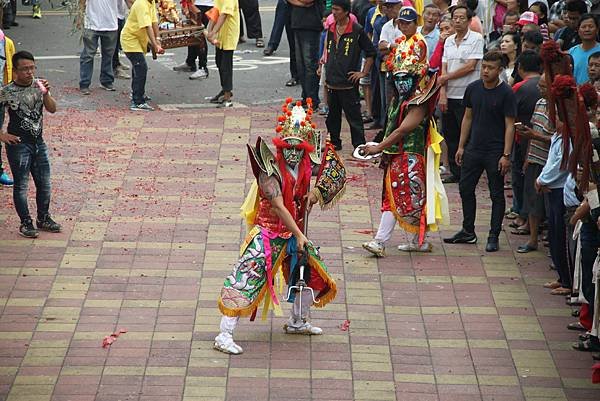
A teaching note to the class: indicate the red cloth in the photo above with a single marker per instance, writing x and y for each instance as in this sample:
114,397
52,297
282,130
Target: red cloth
585,317
596,373
436,57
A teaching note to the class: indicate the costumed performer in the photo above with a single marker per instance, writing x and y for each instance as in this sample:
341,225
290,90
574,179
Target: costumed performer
276,208
413,193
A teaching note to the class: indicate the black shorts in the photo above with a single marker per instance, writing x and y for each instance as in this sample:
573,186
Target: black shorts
533,202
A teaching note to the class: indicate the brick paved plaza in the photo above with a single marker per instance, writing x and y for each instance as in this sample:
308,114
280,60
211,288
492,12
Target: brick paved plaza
149,204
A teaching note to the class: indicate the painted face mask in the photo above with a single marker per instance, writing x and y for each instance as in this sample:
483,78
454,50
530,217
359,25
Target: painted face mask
292,155
405,85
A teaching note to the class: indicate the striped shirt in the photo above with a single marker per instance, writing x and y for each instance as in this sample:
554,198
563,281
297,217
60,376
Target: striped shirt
538,150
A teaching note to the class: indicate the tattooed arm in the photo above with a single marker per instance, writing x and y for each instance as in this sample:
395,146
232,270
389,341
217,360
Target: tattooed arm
271,188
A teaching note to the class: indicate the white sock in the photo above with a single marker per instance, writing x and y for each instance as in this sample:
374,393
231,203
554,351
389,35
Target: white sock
386,227
295,318
228,324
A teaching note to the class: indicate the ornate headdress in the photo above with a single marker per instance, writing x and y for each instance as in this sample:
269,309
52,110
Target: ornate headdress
410,57
296,123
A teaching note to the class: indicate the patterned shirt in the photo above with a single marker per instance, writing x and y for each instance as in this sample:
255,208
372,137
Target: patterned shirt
25,111
538,150
557,9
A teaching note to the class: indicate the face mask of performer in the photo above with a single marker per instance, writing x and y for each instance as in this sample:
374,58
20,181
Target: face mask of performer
292,155
405,85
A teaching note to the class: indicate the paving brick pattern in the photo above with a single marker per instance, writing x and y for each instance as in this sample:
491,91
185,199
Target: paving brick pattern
149,204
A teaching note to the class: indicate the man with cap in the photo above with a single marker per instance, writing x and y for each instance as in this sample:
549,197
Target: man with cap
343,45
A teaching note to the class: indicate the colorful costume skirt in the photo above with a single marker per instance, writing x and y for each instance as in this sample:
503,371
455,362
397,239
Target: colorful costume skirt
263,257
404,190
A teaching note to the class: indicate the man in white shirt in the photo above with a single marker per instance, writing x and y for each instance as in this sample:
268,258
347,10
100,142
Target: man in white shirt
461,65
387,40
100,24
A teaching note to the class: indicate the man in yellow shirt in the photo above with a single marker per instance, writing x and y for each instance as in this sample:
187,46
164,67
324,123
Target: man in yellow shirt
224,32
140,30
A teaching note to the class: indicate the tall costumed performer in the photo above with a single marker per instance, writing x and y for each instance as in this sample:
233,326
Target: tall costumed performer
413,193
276,209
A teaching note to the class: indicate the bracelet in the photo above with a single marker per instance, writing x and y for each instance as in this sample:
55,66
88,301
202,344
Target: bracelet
507,155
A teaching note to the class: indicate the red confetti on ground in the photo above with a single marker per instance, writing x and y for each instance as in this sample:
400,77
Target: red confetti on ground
364,231
108,340
353,177
345,326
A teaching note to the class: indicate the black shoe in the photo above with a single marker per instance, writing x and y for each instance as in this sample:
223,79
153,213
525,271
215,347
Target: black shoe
450,180
462,237
6,26
218,98
268,51
292,82
27,229
47,224
14,23
492,244
337,147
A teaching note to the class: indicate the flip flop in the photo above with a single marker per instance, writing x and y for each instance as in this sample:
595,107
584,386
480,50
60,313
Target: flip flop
526,248
520,231
586,346
576,326
561,291
552,285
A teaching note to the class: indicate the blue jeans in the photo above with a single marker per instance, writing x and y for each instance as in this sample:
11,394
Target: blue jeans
25,159
108,43
139,71
307,59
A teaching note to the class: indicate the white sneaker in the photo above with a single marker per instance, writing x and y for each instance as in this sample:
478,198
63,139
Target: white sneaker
224,343
305,328
124,67
120,73
412,247
200,74
375,247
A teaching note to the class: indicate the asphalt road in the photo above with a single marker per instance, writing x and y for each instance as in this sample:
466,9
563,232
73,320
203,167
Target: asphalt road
257,79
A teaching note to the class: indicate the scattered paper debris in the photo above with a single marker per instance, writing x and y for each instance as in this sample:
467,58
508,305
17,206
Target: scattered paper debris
345,326
108,340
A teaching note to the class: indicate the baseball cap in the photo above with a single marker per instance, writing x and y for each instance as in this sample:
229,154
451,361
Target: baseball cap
528,17
408,14
392,1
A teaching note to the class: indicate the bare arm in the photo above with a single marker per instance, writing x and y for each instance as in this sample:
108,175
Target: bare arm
466,69
465,132
409,123
272,191
152,37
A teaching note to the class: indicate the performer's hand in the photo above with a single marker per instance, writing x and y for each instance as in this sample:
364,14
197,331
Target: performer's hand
442,80
503,165
311,199
370,150
9,139
458,157
301,242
